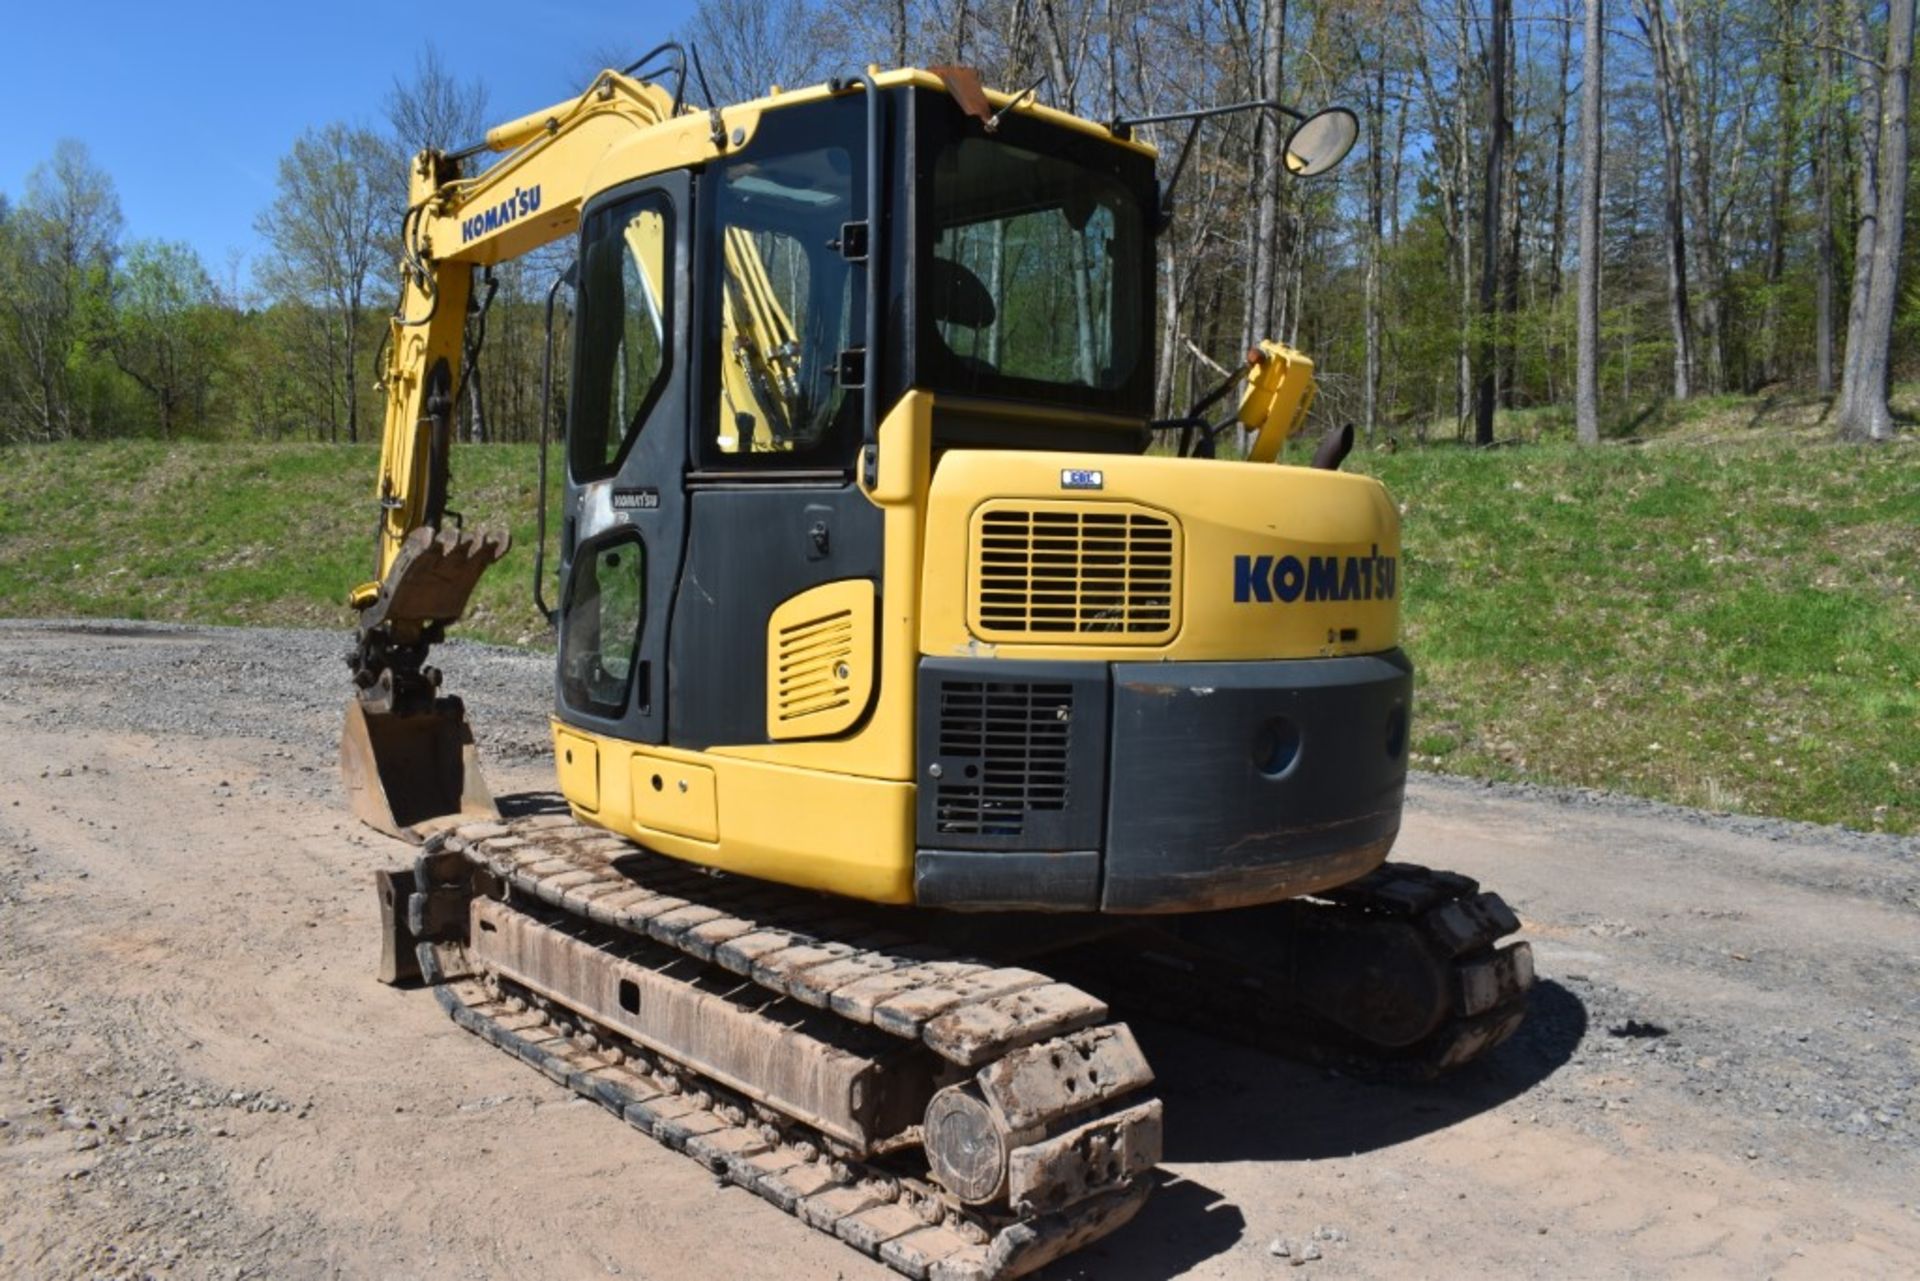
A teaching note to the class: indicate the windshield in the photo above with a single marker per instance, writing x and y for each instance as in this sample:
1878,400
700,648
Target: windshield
1036,279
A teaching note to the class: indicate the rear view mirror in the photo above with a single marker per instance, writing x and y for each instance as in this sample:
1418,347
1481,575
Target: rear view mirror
1321,141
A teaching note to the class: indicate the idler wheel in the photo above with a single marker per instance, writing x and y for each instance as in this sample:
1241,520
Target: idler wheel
966,1145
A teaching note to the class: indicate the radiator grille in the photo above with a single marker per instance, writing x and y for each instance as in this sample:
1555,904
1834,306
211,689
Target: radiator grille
1100,573
1003,755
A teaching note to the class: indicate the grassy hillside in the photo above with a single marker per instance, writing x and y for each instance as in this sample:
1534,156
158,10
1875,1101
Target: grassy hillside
1717,618
1730,627
234,533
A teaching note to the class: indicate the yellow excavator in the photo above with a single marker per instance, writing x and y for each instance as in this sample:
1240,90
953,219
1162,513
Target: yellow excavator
919,698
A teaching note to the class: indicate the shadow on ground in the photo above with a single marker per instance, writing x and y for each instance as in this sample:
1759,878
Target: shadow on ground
1226,1102
1183,1224
1230,1103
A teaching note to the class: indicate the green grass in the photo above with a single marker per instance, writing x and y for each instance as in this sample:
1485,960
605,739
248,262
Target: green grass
1731,626
234,533
1717,616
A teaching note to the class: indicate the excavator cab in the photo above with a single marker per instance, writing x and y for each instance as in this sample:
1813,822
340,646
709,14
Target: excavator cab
859,418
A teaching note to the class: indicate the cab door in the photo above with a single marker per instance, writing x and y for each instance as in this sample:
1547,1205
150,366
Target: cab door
624,525
775,519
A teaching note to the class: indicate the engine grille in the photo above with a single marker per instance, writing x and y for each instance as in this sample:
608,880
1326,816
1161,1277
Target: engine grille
1097,573
1003,755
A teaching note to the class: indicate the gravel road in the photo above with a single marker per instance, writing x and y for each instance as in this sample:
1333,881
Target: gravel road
199,1076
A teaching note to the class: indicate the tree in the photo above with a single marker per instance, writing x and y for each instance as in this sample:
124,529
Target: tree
1490,222
1592,127
327,235
1864,413
167,329
60,248
1267,177
436,109
746,46
1823,184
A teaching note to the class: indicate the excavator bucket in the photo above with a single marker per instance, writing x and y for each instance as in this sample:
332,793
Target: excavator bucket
409,760
403,770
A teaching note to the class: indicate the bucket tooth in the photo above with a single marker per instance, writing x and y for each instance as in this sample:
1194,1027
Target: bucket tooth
432,578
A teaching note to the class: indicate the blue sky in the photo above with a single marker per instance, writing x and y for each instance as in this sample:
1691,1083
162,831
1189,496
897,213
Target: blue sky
189,106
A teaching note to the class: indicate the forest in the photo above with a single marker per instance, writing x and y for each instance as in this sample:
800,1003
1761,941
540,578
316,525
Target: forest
1560,213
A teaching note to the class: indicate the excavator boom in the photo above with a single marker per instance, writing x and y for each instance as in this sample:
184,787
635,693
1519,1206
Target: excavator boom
407,753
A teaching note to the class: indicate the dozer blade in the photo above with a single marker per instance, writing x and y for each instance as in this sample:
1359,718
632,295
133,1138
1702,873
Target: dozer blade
401,770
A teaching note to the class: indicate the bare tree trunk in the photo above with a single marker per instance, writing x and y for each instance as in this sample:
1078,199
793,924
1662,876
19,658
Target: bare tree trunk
1490,223
1866,212
1556,254
1823,181
1592,132
898,21
1390,381
1462,170
347,387
1376,200
1674,216
1169,327
1261,319
1867,416
1060,72
1696,140
960,35
1506,356
1398,153
1779,191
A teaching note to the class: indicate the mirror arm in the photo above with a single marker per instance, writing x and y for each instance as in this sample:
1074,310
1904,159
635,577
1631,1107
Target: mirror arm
1173,179
1125,124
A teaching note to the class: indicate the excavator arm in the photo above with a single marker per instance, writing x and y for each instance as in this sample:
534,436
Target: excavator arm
407,752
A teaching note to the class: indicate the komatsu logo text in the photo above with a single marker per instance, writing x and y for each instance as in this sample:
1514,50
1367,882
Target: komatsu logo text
1287,579
523,201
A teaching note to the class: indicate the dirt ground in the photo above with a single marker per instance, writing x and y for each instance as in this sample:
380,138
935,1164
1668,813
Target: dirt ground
199,1076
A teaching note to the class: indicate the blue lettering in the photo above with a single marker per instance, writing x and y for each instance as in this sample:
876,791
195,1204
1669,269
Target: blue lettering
1251,578
524,200
1323,578
1289,577
1317,578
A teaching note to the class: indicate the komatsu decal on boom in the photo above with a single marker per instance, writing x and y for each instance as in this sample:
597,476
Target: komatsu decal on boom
894,662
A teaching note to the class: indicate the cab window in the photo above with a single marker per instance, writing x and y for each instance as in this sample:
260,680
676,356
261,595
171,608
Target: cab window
621,331
600,630
786,310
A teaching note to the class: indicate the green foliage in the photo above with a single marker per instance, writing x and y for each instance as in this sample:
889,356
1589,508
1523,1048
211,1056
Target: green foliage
169,332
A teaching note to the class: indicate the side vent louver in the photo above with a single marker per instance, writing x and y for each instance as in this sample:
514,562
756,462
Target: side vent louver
1003,752
820,657
814,676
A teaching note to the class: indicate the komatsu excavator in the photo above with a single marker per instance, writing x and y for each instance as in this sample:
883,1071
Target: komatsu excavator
918,694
